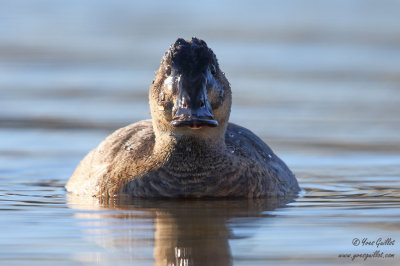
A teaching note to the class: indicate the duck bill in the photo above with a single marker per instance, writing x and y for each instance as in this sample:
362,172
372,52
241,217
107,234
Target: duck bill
195,123
192,107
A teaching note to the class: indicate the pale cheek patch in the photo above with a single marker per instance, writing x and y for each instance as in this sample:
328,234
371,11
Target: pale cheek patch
169,82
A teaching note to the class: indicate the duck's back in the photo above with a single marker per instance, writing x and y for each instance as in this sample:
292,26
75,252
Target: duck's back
267,174
127,147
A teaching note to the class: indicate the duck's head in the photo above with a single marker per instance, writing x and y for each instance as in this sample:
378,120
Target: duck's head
190,95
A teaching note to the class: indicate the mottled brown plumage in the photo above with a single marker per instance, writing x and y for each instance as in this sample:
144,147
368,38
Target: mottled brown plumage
188,149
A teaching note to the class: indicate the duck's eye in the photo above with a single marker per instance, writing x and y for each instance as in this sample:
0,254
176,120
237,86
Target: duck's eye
213,69
168,70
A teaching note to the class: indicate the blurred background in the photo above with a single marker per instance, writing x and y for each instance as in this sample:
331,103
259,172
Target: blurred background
319,81
309,73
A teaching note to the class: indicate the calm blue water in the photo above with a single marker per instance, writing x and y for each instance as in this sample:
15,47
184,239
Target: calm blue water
318,81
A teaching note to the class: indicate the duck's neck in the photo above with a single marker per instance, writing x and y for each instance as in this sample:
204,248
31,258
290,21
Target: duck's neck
189,144
188,151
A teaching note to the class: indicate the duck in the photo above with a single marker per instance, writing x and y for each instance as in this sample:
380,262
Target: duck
189,149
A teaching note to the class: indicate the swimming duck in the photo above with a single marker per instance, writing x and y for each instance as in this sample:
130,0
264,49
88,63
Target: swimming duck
188,149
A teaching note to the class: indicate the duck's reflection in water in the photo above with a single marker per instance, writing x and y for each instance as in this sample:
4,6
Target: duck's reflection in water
186,232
